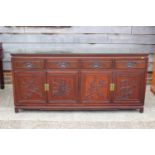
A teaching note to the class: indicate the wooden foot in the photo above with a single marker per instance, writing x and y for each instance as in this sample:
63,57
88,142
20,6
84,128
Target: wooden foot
152,89
1,75
16,110
141,110
2,86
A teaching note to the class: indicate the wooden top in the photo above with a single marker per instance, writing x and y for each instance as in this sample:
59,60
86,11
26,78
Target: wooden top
65,54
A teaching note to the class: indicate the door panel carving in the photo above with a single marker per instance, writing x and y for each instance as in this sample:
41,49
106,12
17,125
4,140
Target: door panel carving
95,86
30,86
79,81
63,86
128,86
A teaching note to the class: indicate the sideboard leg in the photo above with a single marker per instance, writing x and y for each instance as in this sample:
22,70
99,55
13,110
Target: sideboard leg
141,110
1,76
16,110
2,86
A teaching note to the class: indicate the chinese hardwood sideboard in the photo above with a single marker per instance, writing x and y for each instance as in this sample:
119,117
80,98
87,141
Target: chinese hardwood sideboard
1,68
79,81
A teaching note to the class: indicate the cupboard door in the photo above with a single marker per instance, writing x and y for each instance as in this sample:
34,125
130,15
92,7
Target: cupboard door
63,87
95,87
129,86
29,87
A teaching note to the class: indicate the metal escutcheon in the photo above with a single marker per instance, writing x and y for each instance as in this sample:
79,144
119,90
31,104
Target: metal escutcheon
28,65
63,64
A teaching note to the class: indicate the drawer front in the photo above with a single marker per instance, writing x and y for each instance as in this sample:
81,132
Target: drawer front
96,64
62,64
28,64
130,64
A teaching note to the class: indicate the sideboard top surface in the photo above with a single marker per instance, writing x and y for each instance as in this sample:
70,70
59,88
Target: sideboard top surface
65,54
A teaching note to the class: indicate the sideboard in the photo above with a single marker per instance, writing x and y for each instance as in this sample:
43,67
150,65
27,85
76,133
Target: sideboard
1,69
79,81
153,77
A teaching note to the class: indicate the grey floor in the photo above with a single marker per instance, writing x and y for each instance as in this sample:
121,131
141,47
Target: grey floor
75,119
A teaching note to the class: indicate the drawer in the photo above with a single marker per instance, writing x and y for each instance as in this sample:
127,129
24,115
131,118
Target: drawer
28,64
62,64
130,64
96,64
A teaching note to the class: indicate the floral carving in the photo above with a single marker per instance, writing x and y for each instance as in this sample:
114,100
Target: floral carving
126,89
60,87
95,88
31,88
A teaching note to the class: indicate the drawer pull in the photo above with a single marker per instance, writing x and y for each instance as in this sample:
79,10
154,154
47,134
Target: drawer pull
96,65
142,57
28,65
63,64
131,64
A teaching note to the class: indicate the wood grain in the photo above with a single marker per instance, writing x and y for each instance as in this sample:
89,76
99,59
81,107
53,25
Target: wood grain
62,29
80,88
78,38
143,30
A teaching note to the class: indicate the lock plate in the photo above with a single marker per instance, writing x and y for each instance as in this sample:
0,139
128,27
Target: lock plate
46,87
112,86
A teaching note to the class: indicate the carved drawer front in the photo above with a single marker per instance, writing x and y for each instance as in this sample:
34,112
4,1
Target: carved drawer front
130,64
62,64
28,64
96,64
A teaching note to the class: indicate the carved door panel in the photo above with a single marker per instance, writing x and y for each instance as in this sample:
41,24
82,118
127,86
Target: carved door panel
29,87
95,87
129,86
63,87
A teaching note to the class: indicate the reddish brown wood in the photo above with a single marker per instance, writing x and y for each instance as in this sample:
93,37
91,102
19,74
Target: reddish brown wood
1,69
130,64
79,81
62,64
153,78
95,87
29,64
96,63
29,87
129,86
63,87
16,110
